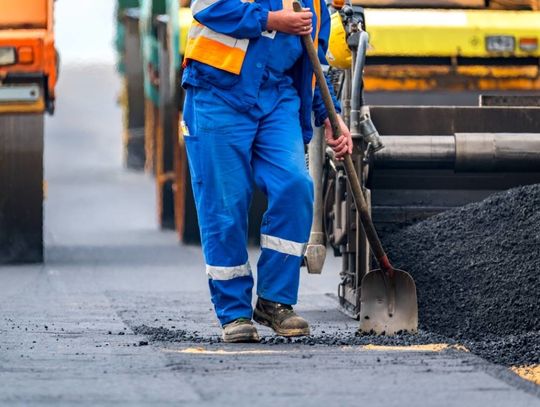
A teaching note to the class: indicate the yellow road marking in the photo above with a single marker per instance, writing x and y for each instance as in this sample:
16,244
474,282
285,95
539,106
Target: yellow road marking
203,351
530,373
430,347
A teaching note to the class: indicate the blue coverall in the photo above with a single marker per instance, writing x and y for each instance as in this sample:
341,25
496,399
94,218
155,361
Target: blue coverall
229,149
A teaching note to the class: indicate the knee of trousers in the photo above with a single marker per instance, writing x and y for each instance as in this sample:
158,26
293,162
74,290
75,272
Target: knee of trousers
294,192
290,208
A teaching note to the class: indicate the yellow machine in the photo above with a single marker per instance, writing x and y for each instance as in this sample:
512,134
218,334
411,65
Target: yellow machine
184,19
447,44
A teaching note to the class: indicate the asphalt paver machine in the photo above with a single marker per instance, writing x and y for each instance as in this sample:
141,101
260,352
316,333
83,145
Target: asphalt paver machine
412,161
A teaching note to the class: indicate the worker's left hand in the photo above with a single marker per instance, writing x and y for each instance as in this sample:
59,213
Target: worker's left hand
344,144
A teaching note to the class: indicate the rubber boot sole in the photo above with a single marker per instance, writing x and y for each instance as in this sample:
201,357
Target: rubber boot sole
263,319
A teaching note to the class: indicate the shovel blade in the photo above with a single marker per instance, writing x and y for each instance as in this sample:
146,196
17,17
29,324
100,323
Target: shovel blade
388,305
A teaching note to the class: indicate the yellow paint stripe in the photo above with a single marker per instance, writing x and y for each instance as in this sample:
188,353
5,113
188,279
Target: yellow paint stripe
530,373
431,347
203,351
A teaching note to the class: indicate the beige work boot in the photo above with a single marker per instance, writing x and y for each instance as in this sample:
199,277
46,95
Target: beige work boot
281,318
240,330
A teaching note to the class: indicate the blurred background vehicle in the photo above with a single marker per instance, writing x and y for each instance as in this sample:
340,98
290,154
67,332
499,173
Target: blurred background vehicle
28,73
150,40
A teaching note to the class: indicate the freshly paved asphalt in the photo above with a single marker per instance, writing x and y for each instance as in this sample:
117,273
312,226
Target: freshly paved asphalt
67,327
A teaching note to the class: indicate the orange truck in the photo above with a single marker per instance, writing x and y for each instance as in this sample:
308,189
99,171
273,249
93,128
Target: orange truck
28,73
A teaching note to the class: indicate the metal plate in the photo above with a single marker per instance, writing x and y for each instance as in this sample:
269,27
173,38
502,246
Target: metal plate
510,100
500,43
19,93
447,120
7,56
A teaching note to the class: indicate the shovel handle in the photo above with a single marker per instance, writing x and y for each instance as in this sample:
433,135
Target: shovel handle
352,176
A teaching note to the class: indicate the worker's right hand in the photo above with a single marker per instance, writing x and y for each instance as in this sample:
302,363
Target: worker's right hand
342,145
290,22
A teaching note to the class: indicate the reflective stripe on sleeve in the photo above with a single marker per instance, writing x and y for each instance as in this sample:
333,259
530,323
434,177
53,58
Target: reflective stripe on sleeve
215,49
228,273
282,245
198,30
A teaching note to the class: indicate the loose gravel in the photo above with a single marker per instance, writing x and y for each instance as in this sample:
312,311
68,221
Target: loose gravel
335,338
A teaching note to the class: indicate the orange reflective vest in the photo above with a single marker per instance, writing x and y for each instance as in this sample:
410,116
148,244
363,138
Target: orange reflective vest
223,51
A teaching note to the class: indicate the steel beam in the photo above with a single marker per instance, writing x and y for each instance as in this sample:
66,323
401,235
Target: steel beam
463,152
447,120
449,157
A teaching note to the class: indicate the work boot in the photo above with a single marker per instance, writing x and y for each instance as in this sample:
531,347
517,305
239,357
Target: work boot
240,330
281,318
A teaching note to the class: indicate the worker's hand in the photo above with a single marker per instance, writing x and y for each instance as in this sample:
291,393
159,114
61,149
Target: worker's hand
290,22
344,144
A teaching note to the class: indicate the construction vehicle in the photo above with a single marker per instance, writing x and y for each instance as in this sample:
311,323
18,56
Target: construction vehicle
28,72
120,35
150,107
173,172
452,44
412,161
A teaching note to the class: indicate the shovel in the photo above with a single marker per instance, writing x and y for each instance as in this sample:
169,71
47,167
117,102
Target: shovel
388,302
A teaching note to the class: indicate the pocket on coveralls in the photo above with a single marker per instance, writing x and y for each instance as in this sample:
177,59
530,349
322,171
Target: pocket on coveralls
193,152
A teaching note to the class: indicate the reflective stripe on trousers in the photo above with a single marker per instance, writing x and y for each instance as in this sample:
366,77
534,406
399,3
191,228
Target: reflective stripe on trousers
228,151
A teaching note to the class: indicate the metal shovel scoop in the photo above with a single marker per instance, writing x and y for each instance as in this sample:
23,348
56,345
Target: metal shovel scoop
388,302
388,295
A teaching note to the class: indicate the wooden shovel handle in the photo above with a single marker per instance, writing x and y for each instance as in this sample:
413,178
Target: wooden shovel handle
352,176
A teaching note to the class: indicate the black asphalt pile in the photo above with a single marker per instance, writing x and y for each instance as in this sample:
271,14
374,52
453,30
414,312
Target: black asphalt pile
477,270
510,350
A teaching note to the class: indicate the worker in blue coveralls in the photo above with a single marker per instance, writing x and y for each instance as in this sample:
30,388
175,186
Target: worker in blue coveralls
250,95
